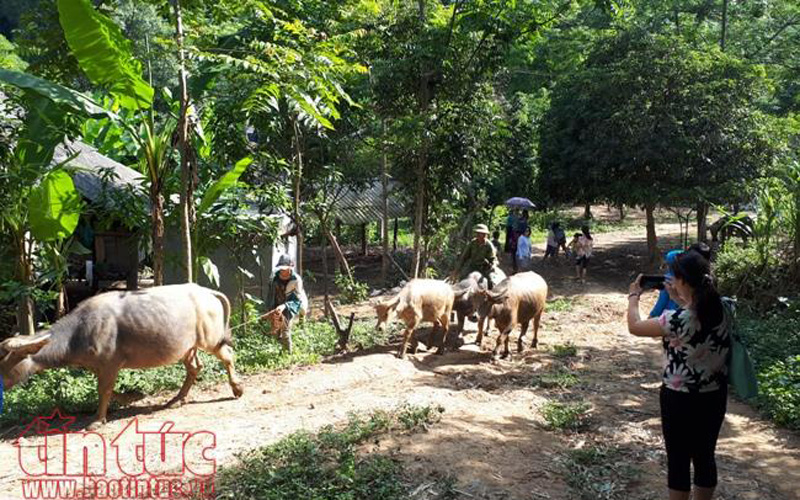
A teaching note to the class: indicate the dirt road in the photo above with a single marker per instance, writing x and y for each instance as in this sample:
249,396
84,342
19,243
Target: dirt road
492,438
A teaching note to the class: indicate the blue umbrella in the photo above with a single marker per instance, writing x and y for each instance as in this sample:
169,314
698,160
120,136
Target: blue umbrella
519,202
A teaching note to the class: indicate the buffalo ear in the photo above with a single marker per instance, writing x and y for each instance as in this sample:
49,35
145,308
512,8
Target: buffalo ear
24,345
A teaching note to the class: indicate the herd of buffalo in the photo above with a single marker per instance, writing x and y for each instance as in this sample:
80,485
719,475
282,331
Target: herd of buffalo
162,325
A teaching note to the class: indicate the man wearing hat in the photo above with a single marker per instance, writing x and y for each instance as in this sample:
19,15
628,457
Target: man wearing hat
479,255
288,299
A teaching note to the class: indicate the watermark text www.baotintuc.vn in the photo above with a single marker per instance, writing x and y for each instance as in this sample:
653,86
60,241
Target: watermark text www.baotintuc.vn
136,464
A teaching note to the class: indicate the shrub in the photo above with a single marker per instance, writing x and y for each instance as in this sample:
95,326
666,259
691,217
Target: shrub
560,379
350,289
567,416
779,387
561,304
567,350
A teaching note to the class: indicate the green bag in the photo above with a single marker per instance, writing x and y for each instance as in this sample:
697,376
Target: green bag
741,372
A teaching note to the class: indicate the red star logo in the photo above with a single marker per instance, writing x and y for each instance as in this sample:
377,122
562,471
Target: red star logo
54,424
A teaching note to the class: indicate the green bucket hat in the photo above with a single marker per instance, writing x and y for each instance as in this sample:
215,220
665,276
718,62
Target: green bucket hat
481,228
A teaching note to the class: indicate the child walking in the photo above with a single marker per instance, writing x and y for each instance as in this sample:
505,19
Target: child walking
583,244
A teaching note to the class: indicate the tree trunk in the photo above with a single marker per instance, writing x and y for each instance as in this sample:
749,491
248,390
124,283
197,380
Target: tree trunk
702,222
363,239
157,219
394,236
25,308
423,102
724,35
385,209
797,230
132,281
337,251
187,176
587,211
61,301
652,239
325,268
296,202
621,212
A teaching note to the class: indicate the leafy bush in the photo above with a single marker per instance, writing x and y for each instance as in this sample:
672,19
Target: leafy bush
567,350
599,473
350,289
774,344
560,379
561,304
779,387
567,416
328,464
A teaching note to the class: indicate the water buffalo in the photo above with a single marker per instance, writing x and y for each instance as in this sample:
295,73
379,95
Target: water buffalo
420,300
514,301
132,329
468,302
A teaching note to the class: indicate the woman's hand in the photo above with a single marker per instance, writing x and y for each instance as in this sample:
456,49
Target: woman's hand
669,286
636,286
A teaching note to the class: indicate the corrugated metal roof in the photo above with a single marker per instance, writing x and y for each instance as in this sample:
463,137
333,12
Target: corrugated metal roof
89,178
361,206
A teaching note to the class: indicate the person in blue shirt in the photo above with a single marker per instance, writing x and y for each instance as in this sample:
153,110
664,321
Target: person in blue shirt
665,303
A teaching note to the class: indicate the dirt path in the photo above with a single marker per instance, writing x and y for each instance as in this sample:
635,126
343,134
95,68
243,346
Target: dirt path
492,438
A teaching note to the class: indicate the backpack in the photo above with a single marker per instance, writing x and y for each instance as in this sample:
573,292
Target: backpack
741,372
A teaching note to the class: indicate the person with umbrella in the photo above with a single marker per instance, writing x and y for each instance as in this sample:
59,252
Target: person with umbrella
479,255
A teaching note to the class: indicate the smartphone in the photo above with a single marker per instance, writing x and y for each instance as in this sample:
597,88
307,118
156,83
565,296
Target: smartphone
652,282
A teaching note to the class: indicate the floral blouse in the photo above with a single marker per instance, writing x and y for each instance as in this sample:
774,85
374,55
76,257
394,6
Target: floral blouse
696,360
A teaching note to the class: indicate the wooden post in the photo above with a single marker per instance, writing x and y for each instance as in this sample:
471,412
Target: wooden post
343,333
364,239
394,243
132,282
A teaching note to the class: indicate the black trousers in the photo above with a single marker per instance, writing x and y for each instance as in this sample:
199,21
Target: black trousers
691,423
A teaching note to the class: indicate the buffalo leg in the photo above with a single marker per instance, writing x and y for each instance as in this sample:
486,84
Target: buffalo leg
193,366
406,337
226,356
522,331
481,320
444,321
502,338
536,320
105,389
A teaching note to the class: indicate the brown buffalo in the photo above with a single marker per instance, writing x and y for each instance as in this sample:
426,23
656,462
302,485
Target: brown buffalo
420,300
138,329
517,300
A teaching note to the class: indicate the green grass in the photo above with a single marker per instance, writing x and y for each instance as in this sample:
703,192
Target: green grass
75,391
599,473
560,378
330,464
561,304
567,350
572,416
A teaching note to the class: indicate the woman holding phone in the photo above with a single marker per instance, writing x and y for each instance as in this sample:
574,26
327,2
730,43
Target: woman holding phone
694,392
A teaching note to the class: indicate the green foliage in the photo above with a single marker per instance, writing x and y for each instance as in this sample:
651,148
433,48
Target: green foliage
600,473
620,130
567,350
61,96
8,57
104,53
779,391
329,464
572,416
560,378
227,181
351,290
773,341
54,207
561,304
